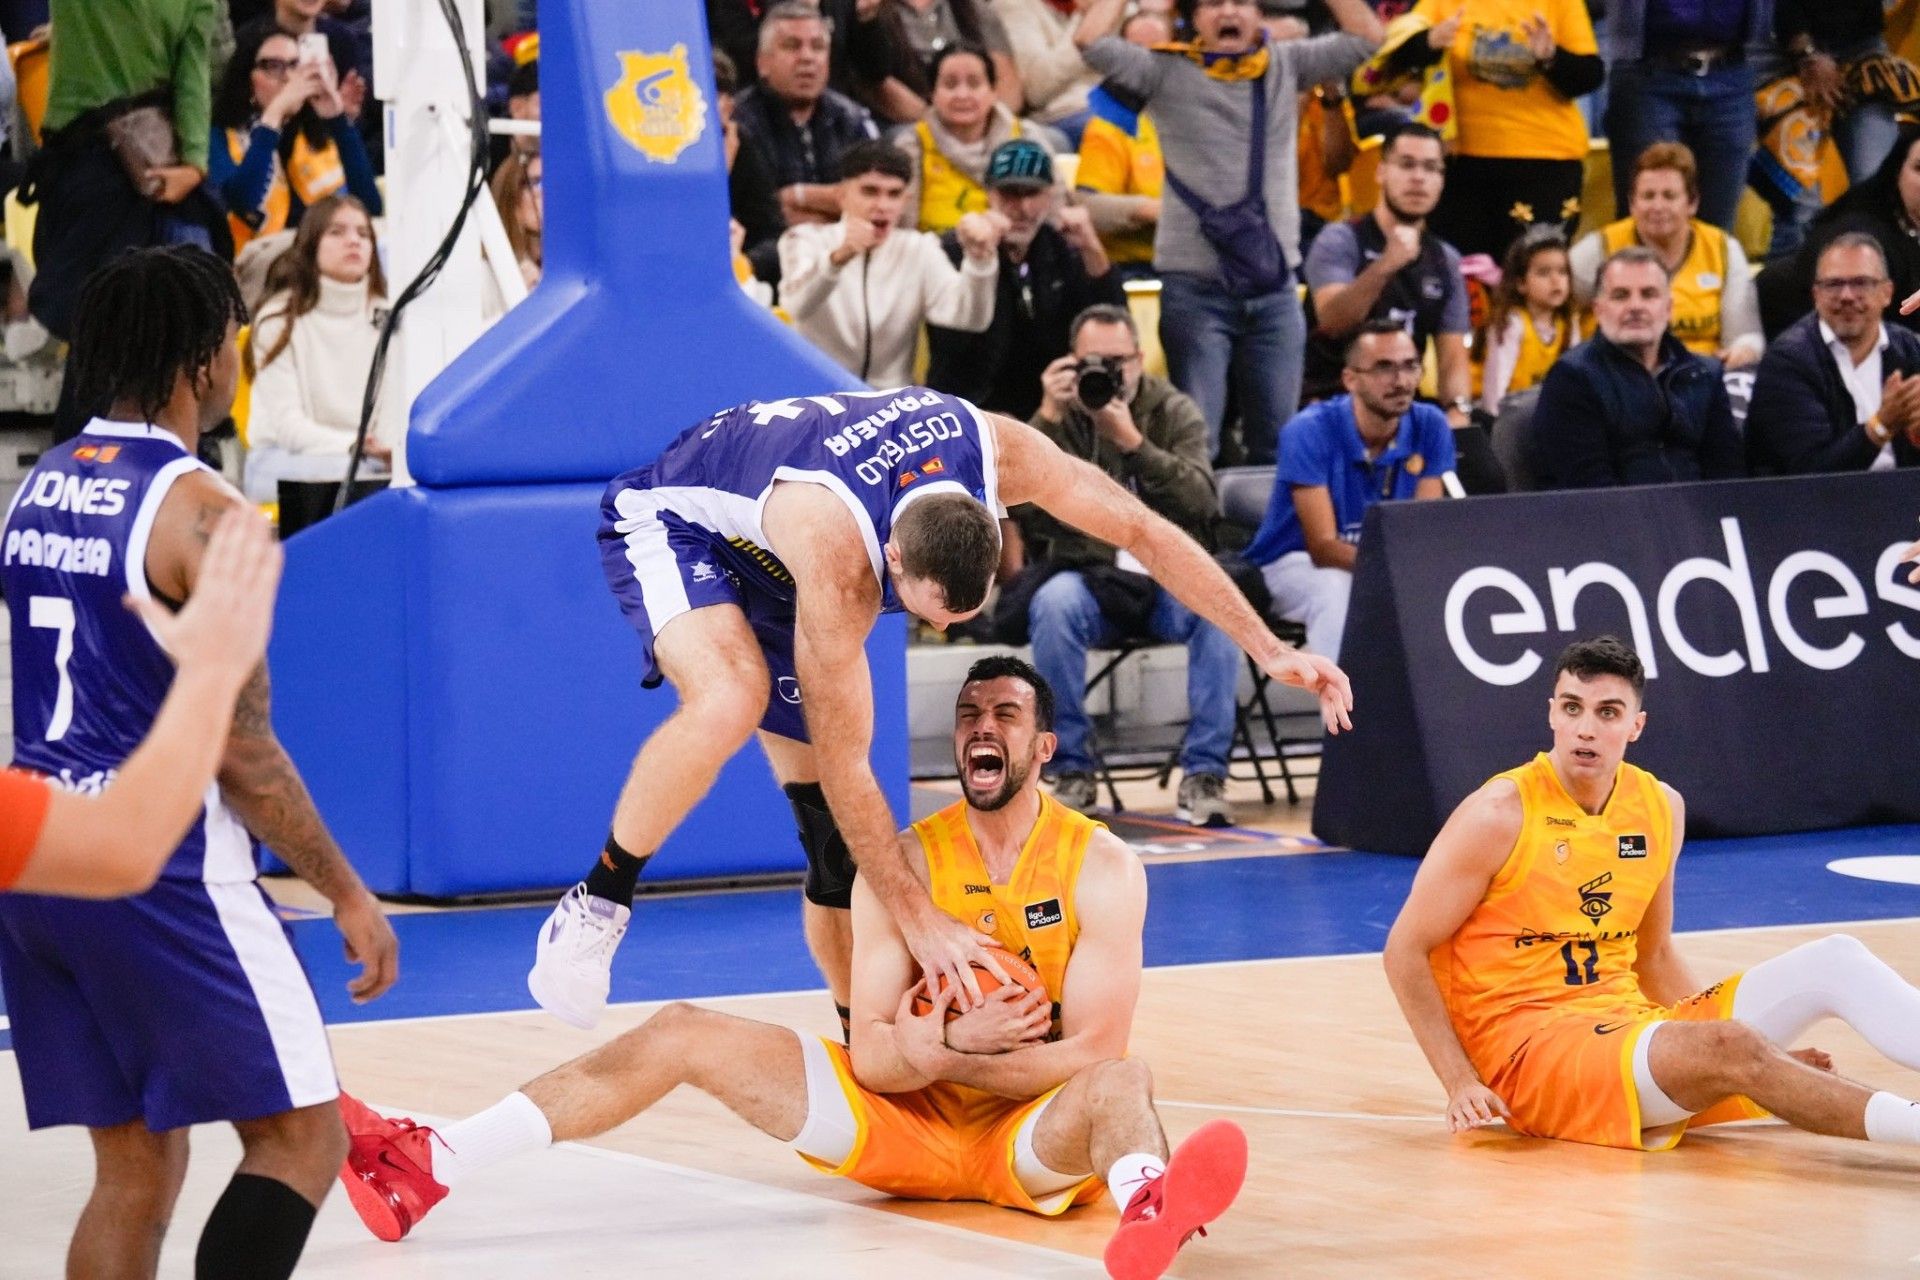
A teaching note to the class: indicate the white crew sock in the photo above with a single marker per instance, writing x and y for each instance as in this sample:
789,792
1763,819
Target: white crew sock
1891,1118
1131,1172
510,1127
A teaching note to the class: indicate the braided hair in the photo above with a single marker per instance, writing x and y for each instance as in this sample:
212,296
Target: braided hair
147,318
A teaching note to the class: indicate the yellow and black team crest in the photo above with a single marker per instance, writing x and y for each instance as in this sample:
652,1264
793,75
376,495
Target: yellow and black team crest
656,105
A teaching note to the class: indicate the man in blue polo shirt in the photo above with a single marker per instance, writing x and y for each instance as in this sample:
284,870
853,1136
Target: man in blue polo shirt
1337,458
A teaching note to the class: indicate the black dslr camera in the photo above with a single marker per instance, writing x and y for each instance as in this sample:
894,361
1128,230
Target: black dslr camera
1099,380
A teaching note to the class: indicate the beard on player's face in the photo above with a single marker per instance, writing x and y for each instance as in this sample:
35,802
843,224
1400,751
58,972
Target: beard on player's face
994,770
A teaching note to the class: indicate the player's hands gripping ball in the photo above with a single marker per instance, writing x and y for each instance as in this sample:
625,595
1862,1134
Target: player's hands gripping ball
1018,971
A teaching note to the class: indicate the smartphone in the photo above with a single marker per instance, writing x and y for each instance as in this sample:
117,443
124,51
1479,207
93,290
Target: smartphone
313,47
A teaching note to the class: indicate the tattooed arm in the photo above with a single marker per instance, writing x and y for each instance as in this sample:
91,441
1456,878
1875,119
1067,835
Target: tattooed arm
258,780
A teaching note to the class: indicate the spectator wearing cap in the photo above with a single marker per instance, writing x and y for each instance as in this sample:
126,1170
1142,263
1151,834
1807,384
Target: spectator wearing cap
1226,107
801,127
1121,172
1052,267
1839,390
950,147
860,288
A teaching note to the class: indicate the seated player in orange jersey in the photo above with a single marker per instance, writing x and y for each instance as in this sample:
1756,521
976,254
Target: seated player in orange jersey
1535,960
1027,1101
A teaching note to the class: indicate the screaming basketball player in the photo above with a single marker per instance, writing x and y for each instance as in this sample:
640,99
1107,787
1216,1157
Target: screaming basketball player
753,557
1026,1101
1535,960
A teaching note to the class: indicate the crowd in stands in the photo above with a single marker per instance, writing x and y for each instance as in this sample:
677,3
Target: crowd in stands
1373,236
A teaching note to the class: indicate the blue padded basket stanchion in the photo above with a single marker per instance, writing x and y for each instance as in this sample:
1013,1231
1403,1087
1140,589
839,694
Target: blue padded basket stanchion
451,673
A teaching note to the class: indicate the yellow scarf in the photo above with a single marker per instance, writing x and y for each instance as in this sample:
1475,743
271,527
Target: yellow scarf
1250,65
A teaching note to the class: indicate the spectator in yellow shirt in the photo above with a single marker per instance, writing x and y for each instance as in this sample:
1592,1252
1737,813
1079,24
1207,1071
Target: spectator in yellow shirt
1519,159
949,149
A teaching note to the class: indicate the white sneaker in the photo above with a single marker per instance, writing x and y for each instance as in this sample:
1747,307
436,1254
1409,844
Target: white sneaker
572,969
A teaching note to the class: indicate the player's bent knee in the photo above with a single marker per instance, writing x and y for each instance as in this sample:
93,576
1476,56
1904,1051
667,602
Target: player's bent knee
829,863
1117,1080
1735,1054
1843,948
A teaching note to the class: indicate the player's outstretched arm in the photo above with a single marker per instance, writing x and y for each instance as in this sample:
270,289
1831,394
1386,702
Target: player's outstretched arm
1912,553
1096,1005
116,843
1032,469
836,602
1452,880
257,778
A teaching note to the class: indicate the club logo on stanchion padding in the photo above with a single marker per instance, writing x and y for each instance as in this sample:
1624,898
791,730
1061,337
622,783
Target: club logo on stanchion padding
656,105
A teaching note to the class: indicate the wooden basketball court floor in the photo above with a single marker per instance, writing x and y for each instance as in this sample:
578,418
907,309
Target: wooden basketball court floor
1353,1173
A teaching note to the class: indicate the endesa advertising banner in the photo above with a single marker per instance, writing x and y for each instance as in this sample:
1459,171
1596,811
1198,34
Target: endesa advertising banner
1780,637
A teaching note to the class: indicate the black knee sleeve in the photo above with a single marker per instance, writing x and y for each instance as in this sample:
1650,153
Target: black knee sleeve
829,865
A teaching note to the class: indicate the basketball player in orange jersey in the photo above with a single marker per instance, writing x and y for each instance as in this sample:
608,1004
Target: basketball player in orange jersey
1030,1094
1535,960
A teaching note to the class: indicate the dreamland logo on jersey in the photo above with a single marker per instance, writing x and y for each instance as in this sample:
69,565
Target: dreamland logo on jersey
656,105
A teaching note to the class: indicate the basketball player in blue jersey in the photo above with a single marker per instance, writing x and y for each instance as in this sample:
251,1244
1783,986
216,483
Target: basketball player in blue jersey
186,1003
115,843
753,557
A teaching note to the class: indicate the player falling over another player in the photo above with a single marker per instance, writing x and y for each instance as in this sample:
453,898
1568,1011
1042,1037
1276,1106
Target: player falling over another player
753,557
1037,1106
1535,961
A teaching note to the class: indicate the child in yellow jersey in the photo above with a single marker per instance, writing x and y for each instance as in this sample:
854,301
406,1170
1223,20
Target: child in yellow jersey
1533,320
1027,1100
1534,959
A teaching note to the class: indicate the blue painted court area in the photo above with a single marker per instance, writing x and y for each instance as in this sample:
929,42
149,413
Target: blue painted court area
1248,908
1229,909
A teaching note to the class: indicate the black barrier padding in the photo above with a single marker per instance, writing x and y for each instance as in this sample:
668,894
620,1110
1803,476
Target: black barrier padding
1819,738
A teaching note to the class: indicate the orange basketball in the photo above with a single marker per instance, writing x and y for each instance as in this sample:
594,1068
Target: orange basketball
1022,973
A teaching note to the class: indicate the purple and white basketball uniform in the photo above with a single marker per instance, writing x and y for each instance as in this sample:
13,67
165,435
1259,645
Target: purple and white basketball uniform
186,1003
685,531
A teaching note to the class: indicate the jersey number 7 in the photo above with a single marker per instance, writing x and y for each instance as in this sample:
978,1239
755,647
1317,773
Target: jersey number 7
56,614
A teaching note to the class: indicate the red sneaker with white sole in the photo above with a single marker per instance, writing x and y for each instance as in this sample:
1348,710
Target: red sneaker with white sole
1202,1177
388,1172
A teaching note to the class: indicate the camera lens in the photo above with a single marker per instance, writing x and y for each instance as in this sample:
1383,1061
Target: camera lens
1096,386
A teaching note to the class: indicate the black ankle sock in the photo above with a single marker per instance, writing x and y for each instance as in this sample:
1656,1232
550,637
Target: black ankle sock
846,1022
255,1232
615,873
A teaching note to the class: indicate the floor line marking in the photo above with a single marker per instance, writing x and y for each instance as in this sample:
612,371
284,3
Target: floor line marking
727,1179
1297,1113
1170,968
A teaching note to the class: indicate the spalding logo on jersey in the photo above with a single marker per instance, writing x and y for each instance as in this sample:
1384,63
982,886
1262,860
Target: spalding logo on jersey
656,105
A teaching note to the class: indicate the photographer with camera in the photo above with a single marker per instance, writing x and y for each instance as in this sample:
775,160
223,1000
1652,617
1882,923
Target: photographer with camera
1052,268
1098,404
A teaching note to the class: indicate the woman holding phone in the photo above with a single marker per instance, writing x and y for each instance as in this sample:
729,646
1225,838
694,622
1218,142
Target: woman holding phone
281,139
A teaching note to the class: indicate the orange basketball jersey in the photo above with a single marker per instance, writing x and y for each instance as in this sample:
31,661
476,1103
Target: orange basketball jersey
947,1141
1558,929
1032,913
